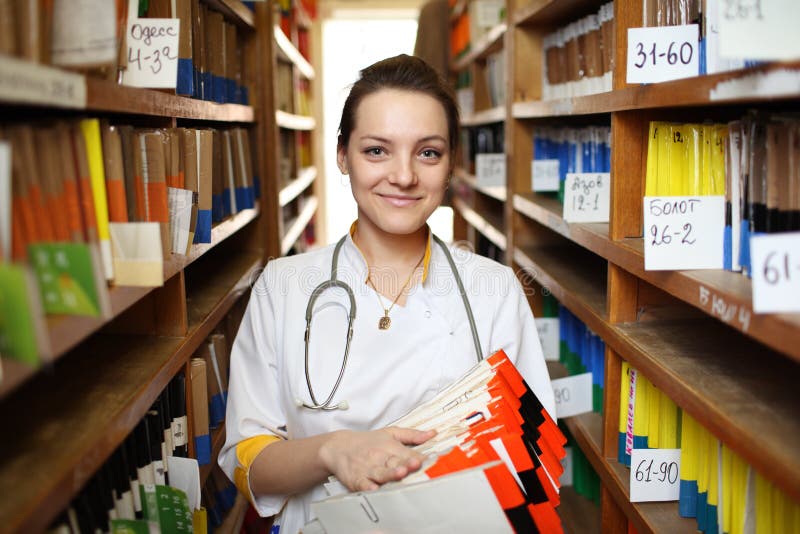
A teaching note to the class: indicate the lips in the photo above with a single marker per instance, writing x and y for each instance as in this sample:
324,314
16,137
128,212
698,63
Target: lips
400,201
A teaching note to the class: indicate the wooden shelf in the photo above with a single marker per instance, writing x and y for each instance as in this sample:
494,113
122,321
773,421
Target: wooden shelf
577,281
235,11
232,523
304,179
497,193
288,52
67,422
688,92
487,116
724,295
103,96
66,331
579,515
490,229
743,394
217,442
554,12
298,225
290,121
488,43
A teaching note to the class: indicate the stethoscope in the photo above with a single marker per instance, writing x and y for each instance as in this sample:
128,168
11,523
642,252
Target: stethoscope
334,283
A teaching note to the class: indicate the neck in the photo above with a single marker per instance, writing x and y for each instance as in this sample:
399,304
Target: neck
382,249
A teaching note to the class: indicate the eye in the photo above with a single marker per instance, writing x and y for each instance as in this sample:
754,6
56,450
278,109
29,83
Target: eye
374,151
430,153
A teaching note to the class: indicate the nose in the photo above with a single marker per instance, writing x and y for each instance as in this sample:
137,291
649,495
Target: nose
404,173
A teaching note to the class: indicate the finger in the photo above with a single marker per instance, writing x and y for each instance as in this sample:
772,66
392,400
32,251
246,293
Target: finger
365,484
382,475
410,436
393,462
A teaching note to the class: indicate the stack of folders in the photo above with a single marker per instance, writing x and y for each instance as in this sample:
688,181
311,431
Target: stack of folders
209,377
570,150
481,140
93,202
90,36
579,58
138,468
707,15
751,161
496,78
219,496
717,487
473,23
493,466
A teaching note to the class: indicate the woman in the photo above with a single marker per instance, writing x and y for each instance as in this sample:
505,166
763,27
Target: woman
411,332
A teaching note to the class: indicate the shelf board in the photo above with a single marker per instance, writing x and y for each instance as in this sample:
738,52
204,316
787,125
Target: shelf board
290,53
304,179
217,442
579,515
97,95
489,228
66,331
578,282
547,211
497,193
487,116
297,225
235,11
67,422
290,121
724,295
587,429
687,92
488,43
743,394
554,12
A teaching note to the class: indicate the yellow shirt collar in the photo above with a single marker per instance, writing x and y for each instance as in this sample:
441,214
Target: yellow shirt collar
426,260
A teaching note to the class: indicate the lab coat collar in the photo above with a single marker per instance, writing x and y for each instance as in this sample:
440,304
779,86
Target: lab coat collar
361,263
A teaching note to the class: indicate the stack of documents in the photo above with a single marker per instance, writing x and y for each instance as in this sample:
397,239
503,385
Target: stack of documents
493,466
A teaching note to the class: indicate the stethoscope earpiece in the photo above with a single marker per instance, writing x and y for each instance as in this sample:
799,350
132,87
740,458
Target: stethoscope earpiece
333,282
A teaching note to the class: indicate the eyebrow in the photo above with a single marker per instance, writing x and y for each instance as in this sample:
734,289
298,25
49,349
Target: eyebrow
388,141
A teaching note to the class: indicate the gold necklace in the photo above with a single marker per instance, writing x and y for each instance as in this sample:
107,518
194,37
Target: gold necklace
385,322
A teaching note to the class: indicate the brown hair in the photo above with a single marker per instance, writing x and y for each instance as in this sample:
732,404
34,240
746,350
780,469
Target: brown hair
406,73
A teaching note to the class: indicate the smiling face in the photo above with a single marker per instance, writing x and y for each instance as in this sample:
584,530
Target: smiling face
398,158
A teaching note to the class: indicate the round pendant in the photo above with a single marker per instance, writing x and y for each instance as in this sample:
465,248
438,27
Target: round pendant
384,323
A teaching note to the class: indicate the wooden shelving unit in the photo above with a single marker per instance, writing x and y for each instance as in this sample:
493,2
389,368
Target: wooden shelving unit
693,334
67,418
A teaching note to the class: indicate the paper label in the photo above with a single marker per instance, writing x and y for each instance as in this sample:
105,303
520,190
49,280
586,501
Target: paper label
28,83
573,395
663,53
775,263
180,218
759,29
66,278
655,475
86,33
587,197
152,53
179,431
490,169
545,175
548,329
683,232
566,463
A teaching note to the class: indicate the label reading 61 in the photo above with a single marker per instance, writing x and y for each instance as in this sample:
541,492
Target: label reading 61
776,272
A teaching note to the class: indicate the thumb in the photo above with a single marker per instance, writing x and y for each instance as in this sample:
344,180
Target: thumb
410,436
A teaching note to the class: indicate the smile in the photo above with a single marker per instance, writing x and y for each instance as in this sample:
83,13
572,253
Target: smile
400,201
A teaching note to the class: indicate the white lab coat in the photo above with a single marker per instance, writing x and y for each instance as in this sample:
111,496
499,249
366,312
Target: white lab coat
388,372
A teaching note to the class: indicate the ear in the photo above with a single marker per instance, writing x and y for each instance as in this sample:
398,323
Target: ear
341,158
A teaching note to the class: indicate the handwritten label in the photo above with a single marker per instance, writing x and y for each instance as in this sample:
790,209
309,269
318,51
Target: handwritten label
544,175
490,169
659,54
573,394
727,312
152,53
683,232
759,29
28,83
586,197
547,327
776,272
655,475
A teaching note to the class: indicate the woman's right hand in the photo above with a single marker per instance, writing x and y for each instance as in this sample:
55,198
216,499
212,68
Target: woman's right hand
362,461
